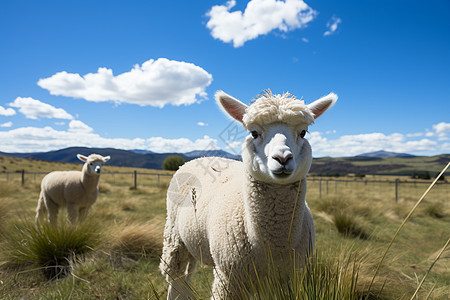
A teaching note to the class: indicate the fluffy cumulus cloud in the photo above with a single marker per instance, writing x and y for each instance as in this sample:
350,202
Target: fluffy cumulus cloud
332,26
159,144
349,145
78,126
77,133
154,83
260,17
6,125
34,109
34,139
7,111
442,130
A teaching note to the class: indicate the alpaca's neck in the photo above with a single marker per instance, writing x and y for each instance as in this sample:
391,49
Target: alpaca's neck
270,210
90,182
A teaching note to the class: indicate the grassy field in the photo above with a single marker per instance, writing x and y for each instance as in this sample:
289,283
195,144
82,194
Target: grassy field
123,238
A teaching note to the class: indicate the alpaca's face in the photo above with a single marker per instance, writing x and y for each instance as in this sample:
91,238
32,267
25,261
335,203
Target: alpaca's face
93,163
276,150
277,153
94,167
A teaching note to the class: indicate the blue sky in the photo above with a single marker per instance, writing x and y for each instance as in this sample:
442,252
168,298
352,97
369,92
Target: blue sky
142,74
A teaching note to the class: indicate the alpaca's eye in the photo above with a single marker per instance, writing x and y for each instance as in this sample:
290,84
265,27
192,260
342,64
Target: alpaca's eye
91,164
255,134
303,133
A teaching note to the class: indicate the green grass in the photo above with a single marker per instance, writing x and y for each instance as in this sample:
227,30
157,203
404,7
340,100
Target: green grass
324,276
127,225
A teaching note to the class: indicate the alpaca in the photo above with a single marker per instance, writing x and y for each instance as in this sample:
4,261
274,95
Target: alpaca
253,209
75,190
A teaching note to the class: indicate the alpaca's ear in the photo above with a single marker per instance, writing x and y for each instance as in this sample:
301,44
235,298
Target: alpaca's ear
106,158
233,107
319,106
82,157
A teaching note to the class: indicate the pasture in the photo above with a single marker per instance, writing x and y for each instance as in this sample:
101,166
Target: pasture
354,224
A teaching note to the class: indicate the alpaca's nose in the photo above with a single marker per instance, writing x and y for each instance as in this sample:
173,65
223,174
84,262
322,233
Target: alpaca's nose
283,158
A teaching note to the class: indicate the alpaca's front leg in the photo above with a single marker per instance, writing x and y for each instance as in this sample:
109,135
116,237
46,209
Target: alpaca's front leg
72,212
179,288
82,213
226,286
52,211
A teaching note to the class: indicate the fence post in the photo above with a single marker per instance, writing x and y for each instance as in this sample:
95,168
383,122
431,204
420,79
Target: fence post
396,190
23,176
135,179
320,189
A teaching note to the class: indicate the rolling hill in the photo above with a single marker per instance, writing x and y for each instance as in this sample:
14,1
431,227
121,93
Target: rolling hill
121,158
376,163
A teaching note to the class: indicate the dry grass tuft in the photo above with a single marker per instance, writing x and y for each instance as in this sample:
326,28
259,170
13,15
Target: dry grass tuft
349,225
104,188
6,189
138,240
51,249
435,210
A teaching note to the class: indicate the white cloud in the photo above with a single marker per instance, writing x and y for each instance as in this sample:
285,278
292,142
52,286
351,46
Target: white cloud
34,139
234,147
417,134
442,129
305,40
332,25
34,109
78,126
202,124
349,145
31,139
159,144
6,125
155,83
7,111
260,17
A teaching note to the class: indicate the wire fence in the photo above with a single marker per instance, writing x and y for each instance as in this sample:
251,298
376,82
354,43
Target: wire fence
397,190
133,179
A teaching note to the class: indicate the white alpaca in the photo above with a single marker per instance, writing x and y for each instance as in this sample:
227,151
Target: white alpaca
233,219
75,190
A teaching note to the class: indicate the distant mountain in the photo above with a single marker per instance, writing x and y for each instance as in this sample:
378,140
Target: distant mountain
220,153
142,151
383,153
121,158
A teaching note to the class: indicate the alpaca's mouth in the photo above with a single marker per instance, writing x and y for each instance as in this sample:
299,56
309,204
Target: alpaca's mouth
282,173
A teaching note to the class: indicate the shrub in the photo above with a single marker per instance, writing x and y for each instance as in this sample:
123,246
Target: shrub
442,178
421,175
173,162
